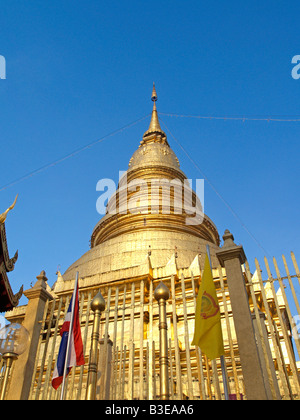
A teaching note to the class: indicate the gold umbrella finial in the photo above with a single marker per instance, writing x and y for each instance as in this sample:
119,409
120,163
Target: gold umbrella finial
3,215
154,126
154,132
154,94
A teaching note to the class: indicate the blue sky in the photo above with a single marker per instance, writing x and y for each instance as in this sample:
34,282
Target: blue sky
77,71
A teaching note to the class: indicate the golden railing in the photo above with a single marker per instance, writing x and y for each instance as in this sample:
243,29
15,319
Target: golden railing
130,348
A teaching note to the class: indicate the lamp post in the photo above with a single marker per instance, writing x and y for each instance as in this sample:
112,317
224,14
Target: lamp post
14,339
162,294
97,306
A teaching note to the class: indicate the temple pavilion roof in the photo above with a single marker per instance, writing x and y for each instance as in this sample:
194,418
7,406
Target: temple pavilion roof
8,300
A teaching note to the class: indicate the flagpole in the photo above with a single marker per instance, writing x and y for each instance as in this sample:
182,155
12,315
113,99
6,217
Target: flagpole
69,338
222,359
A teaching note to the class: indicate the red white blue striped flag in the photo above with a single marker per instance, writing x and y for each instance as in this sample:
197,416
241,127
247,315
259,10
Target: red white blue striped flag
76,357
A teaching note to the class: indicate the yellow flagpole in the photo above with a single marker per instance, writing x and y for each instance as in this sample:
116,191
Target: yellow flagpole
223,367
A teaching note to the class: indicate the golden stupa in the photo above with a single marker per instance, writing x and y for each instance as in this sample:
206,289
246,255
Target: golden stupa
146,259
120,242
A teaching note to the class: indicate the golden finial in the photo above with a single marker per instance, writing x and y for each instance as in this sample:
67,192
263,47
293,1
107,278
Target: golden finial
161,292
154,94
3,215
98,303
154,126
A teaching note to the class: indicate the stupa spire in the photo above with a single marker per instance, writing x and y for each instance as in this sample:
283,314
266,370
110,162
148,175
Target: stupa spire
154,130
154,94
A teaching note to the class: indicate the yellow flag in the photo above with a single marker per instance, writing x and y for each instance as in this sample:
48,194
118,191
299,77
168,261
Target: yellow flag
208,332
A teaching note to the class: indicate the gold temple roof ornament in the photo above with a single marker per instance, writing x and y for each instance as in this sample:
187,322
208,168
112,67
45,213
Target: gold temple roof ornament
4,215
8,299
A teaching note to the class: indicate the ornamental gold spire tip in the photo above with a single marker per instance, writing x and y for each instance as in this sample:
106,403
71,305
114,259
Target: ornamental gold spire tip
154,126
154,94
3,215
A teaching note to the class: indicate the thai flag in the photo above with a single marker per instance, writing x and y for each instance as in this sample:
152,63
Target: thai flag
75,356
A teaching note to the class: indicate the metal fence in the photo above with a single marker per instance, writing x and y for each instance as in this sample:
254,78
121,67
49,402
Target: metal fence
129,346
